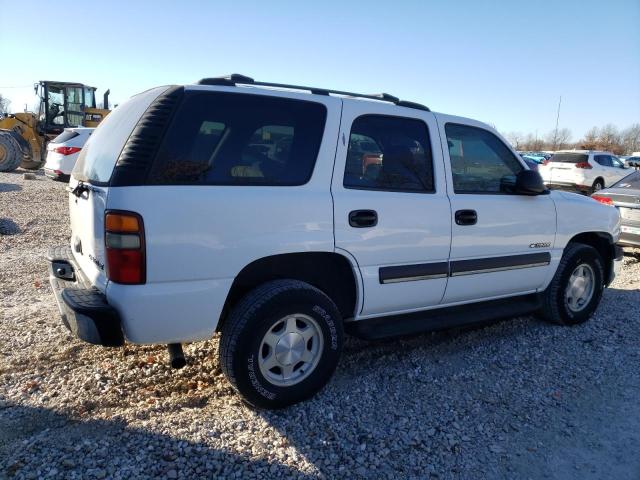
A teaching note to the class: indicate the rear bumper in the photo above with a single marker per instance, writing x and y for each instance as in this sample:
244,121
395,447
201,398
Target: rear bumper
84,309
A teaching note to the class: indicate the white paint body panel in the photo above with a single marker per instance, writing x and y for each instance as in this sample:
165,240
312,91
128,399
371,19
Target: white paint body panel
412,228
507,225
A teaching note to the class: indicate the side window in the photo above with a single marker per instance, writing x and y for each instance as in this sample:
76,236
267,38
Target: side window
480,161
237,139
389,153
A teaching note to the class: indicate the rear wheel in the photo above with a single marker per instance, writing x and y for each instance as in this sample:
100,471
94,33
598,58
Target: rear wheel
281,343
598,185
10,157
576,289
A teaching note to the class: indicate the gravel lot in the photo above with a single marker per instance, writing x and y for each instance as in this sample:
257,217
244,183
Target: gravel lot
516,399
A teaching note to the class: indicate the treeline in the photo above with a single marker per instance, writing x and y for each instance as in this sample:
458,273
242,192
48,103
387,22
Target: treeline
608,138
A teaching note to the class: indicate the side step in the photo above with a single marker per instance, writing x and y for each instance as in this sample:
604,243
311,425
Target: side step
443,318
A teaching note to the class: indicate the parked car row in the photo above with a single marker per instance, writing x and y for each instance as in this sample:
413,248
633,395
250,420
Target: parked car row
584,170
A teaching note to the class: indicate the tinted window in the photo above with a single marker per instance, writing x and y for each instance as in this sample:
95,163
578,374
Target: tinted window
480,161
630,181
65,136
604,160
569,158
389,153
238,139
98,157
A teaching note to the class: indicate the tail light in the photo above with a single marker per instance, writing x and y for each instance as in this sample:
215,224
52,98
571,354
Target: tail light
603,200
124,243
583,165
67,150
545,161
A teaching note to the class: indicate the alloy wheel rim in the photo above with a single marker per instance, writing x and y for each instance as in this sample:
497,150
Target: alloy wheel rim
290,350
580,288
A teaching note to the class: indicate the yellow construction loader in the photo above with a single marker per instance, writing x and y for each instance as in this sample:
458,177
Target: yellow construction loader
24,136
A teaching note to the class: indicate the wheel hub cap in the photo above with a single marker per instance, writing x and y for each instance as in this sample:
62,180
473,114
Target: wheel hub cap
289,348
580,287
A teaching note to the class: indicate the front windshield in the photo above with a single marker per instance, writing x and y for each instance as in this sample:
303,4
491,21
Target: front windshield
55,112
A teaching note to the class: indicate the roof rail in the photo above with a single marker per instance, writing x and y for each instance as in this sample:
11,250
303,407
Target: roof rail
237,79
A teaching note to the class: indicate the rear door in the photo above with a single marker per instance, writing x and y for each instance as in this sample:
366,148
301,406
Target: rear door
501,242
89,184
391,211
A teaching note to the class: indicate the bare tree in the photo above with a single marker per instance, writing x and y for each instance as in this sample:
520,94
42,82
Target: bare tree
515,139
610,139
590,139
631,139
4,104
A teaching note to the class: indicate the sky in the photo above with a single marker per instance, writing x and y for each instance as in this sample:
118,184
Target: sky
505,63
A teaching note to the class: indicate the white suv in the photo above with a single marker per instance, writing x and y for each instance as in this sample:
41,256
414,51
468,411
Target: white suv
63,152
283,216
585,170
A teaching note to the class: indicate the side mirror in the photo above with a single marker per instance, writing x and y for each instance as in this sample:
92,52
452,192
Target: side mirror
529,182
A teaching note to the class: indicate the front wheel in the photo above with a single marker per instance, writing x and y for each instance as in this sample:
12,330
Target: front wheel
281,343
576,289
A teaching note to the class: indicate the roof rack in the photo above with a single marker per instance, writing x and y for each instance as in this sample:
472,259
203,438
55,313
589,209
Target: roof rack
237,79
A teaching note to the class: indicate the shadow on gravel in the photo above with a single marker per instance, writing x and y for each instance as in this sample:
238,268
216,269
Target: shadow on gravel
101,449
9,187
8,227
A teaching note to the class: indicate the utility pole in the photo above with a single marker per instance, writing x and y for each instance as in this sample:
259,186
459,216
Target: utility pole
555,136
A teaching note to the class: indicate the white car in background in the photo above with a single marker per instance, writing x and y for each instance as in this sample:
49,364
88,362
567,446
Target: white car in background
584,170
63,151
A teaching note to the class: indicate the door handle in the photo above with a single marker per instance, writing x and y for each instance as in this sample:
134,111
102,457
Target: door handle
466,217
363,218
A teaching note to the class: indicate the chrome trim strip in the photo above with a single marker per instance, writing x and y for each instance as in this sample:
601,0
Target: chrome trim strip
412,279
499,269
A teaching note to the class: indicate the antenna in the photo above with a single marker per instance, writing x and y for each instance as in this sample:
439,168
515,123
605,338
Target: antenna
555,135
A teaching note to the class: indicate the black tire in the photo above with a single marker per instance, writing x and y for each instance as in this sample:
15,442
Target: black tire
10,156
597,185
555,307
31,164
256,314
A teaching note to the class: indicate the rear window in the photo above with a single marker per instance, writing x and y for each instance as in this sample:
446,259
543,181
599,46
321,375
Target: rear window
569,158
239,139
65,136
99,155
630,181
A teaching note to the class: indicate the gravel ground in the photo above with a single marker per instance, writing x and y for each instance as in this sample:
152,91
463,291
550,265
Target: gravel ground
516,399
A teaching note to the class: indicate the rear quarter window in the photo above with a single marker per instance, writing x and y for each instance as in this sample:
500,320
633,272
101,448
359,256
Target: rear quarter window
100,153
220,138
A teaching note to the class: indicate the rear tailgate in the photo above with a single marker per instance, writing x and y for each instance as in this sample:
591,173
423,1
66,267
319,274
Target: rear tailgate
562,166
89,185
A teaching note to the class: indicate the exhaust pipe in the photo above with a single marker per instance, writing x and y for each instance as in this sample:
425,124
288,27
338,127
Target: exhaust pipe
176,355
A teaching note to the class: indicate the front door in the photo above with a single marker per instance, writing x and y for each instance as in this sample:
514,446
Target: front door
391,211
501,242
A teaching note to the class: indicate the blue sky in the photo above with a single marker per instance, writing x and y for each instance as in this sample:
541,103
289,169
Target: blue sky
501,62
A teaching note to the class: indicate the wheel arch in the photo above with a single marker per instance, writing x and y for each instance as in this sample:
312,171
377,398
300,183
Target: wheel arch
330,272
605,246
